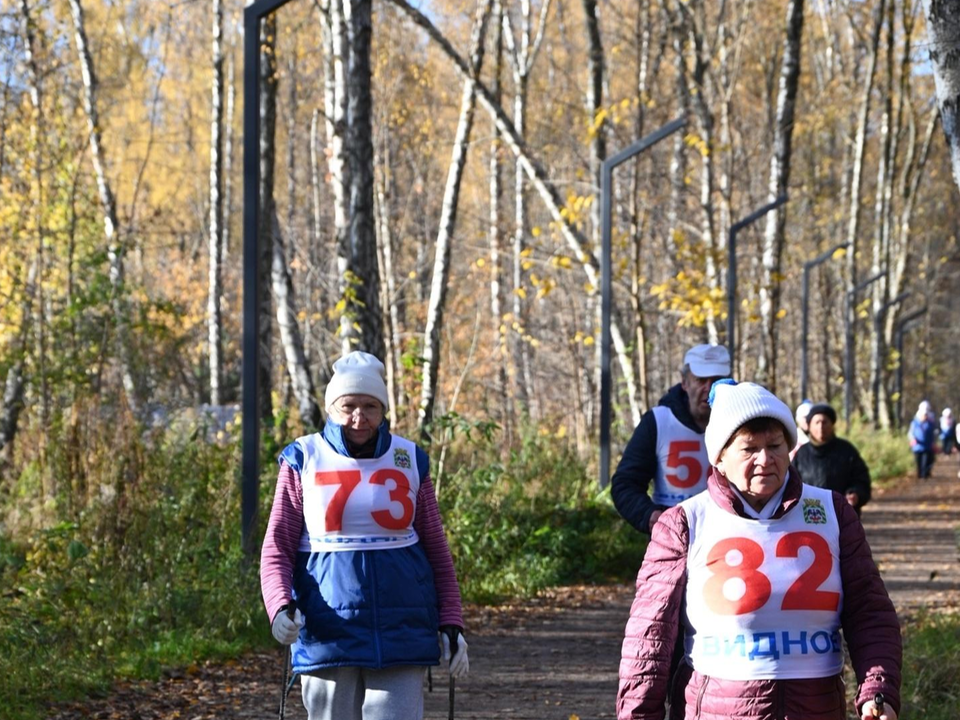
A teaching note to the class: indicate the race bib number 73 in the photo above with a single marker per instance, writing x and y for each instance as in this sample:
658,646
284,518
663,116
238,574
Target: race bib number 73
347,481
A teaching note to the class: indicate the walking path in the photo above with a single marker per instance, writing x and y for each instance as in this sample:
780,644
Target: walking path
556,657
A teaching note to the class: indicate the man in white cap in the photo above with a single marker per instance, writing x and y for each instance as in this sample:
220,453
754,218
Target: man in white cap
667,446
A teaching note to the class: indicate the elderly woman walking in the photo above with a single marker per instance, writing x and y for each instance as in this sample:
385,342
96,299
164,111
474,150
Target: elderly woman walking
760,574
355,570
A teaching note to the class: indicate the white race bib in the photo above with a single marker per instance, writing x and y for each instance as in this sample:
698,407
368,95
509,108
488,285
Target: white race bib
764,597
351,504
682,464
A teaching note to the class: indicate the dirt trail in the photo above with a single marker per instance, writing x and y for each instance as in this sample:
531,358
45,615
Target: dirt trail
555,658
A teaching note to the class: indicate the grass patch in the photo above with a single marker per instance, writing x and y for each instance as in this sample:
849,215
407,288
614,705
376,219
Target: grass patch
931,667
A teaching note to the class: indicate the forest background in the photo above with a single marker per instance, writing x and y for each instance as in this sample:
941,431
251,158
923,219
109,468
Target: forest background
429,192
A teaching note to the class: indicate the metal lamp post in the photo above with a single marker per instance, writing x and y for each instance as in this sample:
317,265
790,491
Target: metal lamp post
807,267
906,323
252,15
606,292
849,359
732,271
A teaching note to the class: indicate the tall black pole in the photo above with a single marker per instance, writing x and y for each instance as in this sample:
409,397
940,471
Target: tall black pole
606,290
849,359
250,433
807,267
732,272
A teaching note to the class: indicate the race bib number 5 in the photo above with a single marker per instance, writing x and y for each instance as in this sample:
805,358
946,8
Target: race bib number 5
736,585
682,455
348,480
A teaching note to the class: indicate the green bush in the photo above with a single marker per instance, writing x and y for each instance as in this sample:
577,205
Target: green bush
531,520
147,574
886,452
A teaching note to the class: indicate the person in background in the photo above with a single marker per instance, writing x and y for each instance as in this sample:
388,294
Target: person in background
667,446
803,410
729,570
948,431
922,436
356,572
831,462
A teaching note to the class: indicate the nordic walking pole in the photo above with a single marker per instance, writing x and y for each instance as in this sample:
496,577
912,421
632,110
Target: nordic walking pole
290,610
451,634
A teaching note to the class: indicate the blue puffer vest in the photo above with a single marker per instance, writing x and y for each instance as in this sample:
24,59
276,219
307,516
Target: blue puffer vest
366,608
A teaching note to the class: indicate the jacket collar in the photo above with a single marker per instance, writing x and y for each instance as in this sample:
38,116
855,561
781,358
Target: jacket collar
333,433
723,495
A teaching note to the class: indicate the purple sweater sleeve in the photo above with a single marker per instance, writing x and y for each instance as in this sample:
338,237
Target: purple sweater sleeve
868,618
281,541
430,529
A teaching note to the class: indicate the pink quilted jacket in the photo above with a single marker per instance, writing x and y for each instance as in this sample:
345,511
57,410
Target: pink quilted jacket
869,624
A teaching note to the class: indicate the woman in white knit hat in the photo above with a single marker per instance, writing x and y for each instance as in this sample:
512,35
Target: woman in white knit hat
761,573
356,572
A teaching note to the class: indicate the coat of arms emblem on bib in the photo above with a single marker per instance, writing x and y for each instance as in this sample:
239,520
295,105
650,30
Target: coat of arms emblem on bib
401,458
813,512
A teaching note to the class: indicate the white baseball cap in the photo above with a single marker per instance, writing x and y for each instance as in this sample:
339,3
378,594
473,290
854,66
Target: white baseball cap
707,361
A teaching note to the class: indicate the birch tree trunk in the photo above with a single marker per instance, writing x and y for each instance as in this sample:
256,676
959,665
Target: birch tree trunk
388,287
645,77
38,133
108,204
881,219
943,28
290,336
522,53
779,181
316,201
364,325
214,240
448,221
598,140
856,176
500,346
336,50
13,389
228,157
12,401
598,125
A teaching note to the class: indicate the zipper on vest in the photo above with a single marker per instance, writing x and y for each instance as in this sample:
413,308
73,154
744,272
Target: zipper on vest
781,710
376,606
701,692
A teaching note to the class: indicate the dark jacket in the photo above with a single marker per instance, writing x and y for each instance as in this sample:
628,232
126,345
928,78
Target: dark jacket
835,465
868,622
638,466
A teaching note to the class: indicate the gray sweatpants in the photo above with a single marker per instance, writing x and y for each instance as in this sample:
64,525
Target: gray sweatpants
356,693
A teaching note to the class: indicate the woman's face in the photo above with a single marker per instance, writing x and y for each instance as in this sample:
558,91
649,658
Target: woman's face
756,463
360,416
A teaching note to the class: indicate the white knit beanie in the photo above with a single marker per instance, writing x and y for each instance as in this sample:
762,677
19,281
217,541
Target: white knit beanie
357,373
733,404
